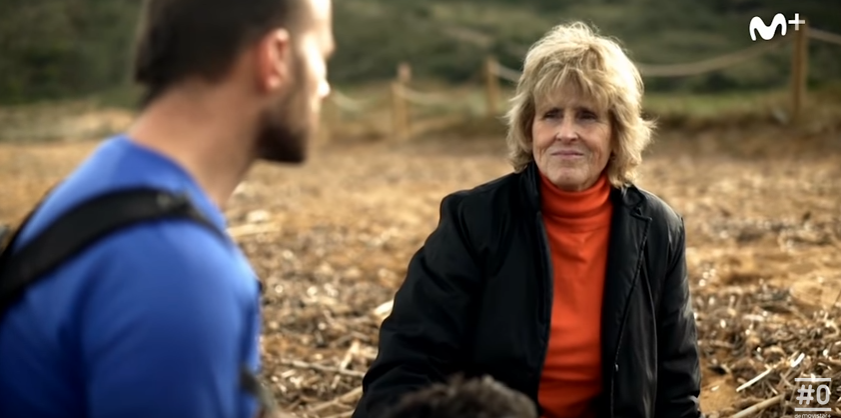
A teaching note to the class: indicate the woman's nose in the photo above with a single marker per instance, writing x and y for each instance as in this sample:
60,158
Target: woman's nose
567,131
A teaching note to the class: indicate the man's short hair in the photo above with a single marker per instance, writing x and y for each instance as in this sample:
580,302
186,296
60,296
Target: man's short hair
464,398
184,38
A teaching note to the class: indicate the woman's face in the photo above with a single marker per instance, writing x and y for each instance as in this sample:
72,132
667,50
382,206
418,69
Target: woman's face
570,139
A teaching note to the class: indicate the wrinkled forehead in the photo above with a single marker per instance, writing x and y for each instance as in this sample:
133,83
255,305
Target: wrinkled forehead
571,88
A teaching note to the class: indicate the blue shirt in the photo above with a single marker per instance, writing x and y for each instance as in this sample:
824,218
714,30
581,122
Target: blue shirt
152,321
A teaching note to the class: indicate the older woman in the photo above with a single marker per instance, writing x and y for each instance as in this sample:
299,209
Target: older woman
562,280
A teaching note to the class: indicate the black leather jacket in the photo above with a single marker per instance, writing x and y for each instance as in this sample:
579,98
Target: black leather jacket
477,300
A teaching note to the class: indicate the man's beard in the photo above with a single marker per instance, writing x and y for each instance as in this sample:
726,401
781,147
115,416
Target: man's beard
285,130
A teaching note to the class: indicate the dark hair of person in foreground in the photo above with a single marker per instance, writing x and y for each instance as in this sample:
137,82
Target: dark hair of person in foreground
464,398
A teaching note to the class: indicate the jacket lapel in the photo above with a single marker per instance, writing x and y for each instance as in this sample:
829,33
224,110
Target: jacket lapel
629,231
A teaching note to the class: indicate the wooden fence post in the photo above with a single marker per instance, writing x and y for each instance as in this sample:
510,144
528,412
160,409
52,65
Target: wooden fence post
399,112
799,72
404,73
491,86
401,104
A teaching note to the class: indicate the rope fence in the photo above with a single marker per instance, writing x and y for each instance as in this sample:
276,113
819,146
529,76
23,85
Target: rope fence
402,96
351,105
427,99
709,65
825,36
506,73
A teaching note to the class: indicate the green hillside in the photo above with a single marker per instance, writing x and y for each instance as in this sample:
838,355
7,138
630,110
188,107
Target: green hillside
449,39
66,48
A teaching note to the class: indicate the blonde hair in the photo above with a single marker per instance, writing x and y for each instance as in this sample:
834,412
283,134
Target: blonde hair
597,67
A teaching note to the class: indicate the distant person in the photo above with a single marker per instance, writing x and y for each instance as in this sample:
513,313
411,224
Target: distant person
562,280
464,398
161,319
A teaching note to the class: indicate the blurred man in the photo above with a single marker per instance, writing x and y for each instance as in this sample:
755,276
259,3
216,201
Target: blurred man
160,319
473,398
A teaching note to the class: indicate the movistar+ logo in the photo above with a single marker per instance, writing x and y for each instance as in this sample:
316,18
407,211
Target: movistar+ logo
767,32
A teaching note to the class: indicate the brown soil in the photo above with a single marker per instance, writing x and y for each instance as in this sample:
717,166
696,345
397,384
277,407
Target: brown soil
331,240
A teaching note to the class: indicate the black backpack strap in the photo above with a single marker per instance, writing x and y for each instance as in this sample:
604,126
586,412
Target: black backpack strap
82,226
5,232
10,235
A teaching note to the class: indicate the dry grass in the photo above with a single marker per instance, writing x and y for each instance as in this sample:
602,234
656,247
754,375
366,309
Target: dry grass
331,240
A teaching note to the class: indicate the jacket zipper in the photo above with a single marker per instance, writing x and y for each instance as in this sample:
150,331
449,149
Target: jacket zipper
622,328
546,311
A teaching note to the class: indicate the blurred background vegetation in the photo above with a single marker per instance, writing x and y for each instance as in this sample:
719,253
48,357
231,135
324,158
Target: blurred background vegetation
63,49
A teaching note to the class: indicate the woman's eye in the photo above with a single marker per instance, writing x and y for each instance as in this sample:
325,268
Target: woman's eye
551,114
588,116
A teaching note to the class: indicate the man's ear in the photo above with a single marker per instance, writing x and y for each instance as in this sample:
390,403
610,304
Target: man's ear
274,52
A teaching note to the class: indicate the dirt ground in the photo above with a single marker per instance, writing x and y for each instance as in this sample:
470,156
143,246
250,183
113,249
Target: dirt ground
331,240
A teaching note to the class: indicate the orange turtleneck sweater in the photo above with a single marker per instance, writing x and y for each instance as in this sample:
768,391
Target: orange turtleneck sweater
578,228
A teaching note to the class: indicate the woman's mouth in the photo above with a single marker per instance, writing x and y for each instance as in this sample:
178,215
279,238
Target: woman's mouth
568,153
